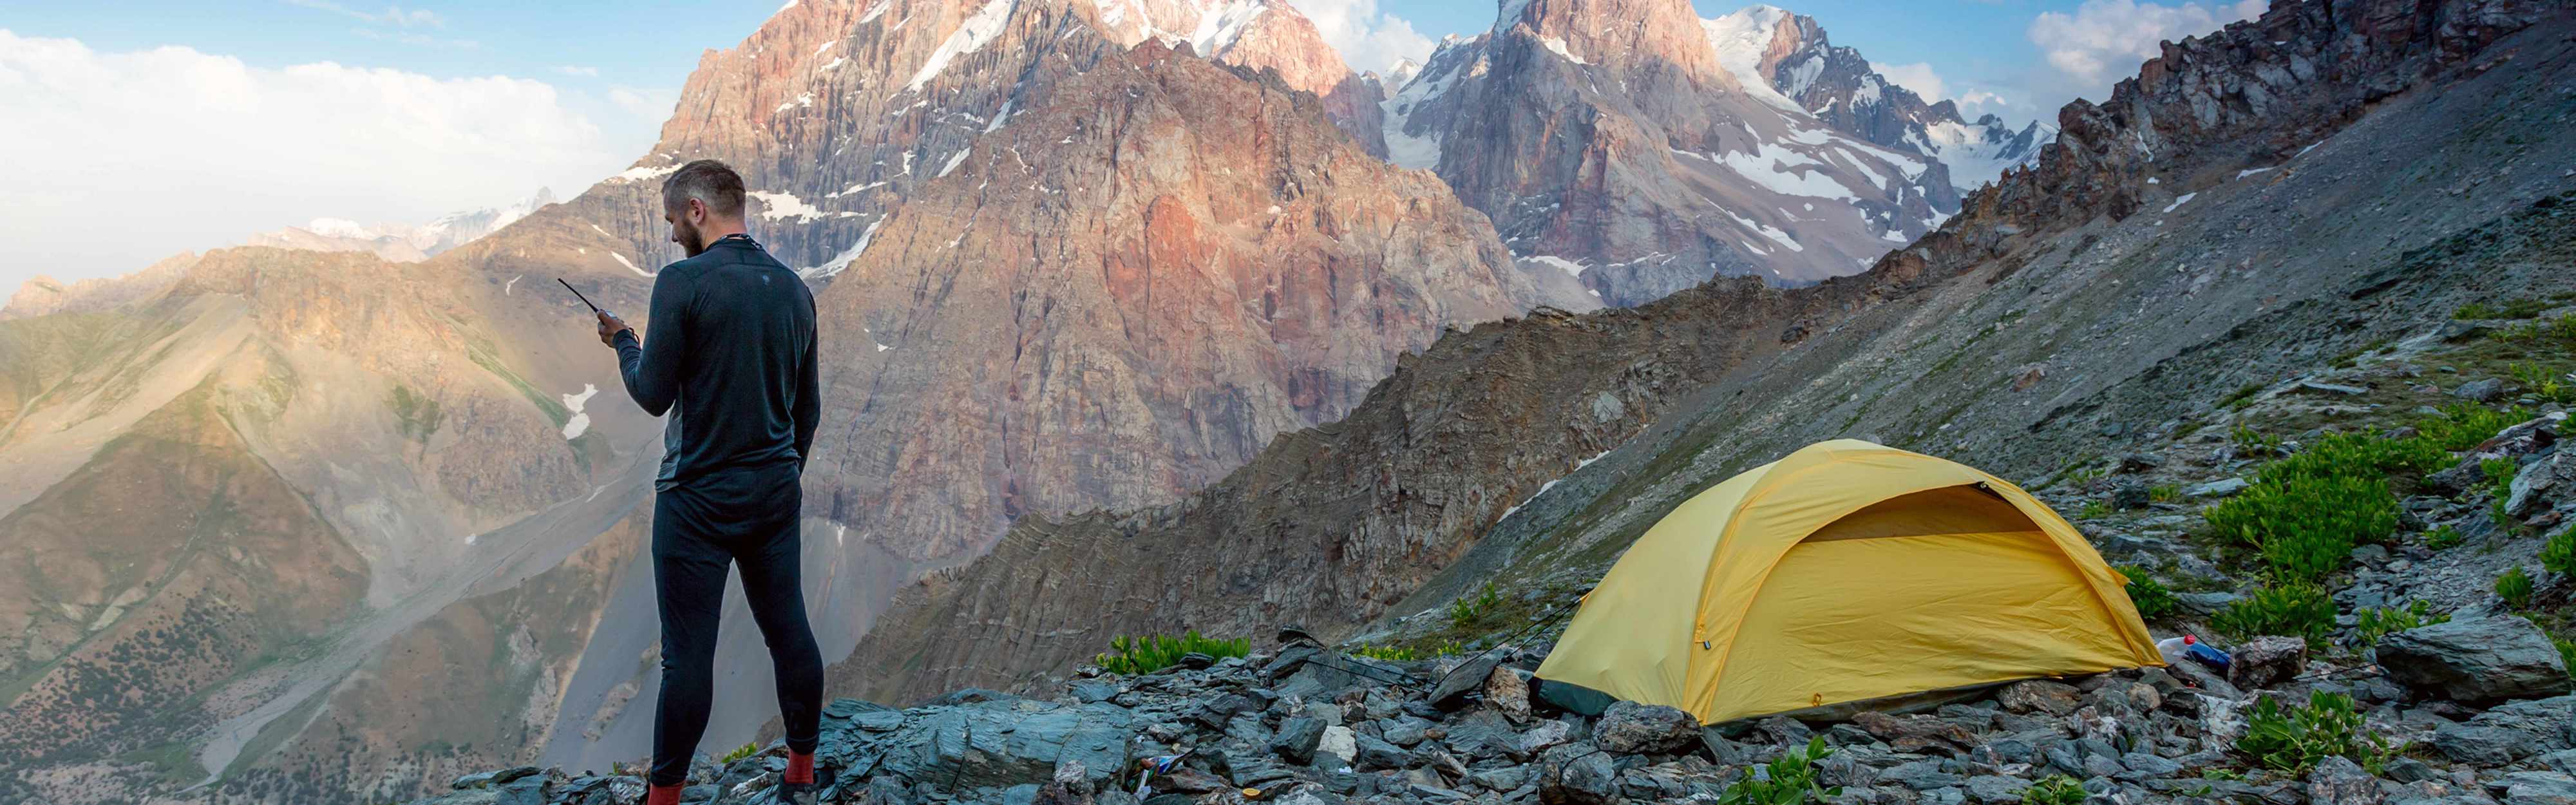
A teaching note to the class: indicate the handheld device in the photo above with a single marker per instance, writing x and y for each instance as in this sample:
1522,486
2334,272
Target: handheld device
576,292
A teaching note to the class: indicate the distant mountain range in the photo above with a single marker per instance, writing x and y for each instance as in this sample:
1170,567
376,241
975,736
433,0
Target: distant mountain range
400,243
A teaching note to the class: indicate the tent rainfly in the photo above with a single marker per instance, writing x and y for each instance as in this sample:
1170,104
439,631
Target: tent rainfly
1843,573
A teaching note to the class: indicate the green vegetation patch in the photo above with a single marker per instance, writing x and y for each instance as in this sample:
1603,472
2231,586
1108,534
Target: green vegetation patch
2292,739
416,415
1144,655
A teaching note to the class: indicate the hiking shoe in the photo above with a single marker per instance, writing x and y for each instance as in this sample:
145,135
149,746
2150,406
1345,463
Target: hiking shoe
806,793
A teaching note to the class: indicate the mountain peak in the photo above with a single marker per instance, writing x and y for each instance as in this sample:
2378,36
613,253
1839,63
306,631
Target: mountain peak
1630,34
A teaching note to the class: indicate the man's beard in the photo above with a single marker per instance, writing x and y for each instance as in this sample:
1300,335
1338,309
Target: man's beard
690,240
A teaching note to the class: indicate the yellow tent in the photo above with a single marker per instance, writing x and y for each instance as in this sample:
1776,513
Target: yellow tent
1847,571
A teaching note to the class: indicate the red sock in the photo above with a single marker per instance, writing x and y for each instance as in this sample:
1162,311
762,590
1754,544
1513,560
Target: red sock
800,768
662,795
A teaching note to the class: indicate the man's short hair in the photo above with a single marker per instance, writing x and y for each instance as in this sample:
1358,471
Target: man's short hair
710,182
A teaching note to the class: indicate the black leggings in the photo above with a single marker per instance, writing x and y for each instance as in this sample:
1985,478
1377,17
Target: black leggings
746,516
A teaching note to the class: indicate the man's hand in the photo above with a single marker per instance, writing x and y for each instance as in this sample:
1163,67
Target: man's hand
609,327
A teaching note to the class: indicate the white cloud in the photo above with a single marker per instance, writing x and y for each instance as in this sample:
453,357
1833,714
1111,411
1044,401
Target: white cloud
652,105
2105,40
1368,39
1927,82
141,154
1918,77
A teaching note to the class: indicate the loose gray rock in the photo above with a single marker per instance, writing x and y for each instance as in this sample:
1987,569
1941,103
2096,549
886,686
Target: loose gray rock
1508,690
1632,728
2217,489
2539,788
1452,691
1546,735
2480,390
2476,660
2475,744
1995,788
1374,754
1298,738
2039,696
1574,774
2266,661
2338,781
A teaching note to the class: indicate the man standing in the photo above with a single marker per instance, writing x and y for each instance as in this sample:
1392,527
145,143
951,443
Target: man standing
732,360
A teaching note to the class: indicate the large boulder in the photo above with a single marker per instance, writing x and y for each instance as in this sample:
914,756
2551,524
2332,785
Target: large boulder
1632,728
2476,660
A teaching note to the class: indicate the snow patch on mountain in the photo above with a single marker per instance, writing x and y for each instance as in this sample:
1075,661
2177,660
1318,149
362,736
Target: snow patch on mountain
1220,27
580,422
979,29
1740,39
638,174
843,260
781,206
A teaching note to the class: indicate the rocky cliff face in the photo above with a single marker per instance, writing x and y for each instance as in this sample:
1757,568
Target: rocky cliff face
2032,327
1608,139
1134,320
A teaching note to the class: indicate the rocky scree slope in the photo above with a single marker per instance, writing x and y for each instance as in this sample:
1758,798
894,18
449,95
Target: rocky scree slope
1314,727
2013,339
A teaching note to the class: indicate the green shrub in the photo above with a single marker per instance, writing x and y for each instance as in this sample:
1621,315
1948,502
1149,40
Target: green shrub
2055,789
2289,609
2540,382
1470,611
2305,527
2464,425
2566,653
2377,623
2515,588
2512,309
2094,510
2306,512
2164,493
1145,655
1406,653
739,752
1791,780
2499,473
2294,738
2253,442
2238,398
2368,454
2559,555
2152,598
2443,538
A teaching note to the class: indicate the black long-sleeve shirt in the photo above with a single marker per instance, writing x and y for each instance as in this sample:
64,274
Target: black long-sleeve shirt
732,361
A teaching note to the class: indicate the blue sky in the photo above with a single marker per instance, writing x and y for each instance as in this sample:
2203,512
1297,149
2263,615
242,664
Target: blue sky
189,125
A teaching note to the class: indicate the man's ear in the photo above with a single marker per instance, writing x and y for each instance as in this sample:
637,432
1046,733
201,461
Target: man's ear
698,212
